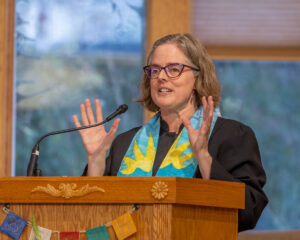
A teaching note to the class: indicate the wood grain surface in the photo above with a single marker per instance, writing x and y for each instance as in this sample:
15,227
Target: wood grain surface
192,208
125,190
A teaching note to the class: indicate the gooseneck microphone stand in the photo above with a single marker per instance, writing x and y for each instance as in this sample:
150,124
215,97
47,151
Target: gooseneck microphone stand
32,168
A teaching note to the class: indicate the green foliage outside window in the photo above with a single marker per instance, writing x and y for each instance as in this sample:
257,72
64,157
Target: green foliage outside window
67,51
264,95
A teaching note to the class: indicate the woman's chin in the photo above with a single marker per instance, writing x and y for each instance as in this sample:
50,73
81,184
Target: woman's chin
165,106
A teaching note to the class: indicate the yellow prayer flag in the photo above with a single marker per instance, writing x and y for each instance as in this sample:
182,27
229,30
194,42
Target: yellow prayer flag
124,226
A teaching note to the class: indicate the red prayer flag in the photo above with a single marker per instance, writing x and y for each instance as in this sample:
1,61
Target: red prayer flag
69,235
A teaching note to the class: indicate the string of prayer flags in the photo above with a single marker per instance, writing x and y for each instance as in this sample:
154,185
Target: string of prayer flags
13,225
45,234
35,228
124,226
97,233
69,236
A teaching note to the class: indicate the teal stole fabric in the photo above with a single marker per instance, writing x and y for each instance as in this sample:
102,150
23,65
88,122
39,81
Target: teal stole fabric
179,161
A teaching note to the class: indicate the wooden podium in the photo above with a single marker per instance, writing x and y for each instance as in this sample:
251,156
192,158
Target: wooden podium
170,207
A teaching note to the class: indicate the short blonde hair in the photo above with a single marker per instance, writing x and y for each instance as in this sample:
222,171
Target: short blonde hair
206,81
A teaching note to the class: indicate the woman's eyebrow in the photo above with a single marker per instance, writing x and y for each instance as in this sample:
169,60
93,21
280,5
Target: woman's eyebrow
169,63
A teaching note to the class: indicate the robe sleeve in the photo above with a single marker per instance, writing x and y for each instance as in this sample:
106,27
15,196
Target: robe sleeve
236,157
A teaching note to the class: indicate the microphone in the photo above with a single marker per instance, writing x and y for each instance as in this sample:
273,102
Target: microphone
121,109
32,168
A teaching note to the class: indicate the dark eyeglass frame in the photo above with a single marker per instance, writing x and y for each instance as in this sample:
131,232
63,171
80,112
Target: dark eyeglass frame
147,70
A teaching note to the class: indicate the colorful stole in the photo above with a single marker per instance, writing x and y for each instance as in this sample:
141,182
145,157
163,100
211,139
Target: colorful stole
179,161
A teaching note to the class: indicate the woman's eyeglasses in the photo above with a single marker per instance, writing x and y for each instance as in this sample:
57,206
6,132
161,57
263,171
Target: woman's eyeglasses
172,70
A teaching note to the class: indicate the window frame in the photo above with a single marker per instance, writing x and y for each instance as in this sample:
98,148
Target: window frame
7,21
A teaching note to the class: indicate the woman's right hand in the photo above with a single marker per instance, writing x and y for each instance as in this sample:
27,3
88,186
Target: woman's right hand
96,140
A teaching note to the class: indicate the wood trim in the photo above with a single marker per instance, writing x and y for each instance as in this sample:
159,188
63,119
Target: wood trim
255,53
7,11
165,17
192,191
192,208
255,30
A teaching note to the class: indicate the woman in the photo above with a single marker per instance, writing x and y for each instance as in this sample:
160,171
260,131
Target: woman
187,137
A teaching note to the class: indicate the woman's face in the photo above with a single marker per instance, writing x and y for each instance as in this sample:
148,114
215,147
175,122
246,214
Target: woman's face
172,94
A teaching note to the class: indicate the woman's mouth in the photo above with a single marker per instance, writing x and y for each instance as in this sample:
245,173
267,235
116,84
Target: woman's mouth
164,90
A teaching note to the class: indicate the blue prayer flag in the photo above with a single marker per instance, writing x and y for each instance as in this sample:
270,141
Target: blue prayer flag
97,233
13,225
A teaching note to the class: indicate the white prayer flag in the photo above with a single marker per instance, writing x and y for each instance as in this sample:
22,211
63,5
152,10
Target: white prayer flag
45,234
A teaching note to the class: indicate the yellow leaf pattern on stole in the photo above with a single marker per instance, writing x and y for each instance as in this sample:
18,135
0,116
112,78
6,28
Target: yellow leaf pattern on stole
143,162
173,156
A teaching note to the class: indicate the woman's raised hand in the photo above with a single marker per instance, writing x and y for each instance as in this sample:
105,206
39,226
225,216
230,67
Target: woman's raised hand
199,137
96,140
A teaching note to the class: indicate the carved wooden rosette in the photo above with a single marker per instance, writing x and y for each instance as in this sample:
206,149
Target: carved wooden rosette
159,190
67,190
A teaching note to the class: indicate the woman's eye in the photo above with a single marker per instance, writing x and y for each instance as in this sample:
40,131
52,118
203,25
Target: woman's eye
174,69
154,71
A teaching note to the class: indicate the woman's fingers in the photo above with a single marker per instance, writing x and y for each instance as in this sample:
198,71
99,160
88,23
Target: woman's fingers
84,117
89,111
76,121
211,106
208,109
87,114
186,122
114,127
99,115
205,104
191,131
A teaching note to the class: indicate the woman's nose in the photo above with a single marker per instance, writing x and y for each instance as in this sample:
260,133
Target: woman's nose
163,74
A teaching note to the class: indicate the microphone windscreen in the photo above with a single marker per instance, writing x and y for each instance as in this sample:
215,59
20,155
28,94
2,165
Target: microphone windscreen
123,108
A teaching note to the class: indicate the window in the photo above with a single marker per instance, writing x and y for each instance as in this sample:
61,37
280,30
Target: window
67,51
264,95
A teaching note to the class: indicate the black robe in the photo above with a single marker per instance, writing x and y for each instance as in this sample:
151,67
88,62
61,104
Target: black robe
235,153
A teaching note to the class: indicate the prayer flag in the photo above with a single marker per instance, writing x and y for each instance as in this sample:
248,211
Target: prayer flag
13,225
97,233
45,234
124,226
69,235
35,228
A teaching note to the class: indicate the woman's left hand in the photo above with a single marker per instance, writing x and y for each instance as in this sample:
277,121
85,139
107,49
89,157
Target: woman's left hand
199,137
